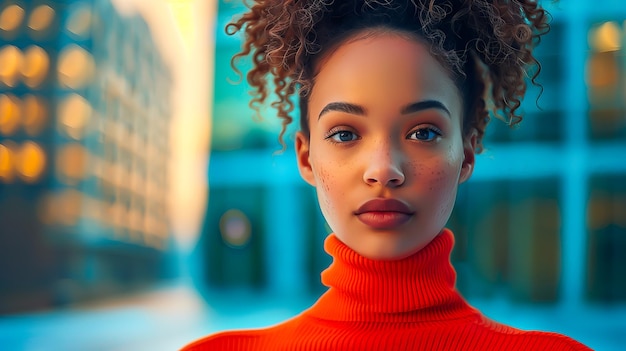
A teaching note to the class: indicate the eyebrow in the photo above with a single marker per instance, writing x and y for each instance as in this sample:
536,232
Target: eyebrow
346,107
425,105
358,110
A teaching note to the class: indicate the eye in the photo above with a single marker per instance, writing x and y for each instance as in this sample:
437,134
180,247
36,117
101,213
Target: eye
342,136
424,134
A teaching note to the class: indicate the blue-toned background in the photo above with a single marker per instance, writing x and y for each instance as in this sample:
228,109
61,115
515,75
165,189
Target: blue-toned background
119,231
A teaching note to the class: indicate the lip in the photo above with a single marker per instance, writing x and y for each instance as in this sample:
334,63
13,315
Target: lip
384,213
384,205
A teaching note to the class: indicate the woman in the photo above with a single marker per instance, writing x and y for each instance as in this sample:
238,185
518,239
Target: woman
394,97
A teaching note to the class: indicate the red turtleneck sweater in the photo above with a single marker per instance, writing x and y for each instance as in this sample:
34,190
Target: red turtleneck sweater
408,304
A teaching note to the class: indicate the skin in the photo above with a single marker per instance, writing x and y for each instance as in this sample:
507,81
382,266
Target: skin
366,142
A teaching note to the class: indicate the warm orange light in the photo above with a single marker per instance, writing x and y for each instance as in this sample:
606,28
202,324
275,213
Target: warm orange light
606,37
10,114
32,162
35,66
72,162
41,18
35,114
76,67
7,161
602,72
10,64
79,20
63,208
74,113
11,18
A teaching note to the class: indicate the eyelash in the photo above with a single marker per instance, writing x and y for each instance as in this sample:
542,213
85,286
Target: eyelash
336,131
432,129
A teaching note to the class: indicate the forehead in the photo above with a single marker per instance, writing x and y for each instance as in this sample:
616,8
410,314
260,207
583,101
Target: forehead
385,67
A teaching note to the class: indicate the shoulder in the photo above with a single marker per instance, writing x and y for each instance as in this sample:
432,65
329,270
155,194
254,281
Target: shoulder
249,340
229,340
555,341
517,339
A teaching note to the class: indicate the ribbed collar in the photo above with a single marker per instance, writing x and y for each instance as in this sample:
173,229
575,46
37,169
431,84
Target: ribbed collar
418,288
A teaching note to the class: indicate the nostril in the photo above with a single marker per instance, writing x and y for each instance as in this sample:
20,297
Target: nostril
396,181
384,171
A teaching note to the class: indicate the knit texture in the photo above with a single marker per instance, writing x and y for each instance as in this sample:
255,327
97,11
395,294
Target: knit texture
408,304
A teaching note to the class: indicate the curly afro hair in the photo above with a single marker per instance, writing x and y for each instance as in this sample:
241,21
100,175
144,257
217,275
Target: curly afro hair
486,44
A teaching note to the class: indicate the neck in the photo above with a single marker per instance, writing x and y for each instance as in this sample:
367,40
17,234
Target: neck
418,287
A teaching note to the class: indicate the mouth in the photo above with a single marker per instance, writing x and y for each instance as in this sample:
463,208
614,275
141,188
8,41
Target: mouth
384,213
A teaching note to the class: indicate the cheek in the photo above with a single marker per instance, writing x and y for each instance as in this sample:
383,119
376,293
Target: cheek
330,169
324,179
442,182
438,181
440,176
327,179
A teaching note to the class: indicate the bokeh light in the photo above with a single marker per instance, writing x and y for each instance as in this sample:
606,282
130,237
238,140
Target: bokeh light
76,67
79,21
35,112
7,162
10,65
235,228
41,18
10,114
605,37
11,17
74,113
72,161
35,66
31,162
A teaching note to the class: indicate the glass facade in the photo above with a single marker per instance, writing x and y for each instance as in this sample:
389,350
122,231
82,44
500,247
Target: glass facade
83,162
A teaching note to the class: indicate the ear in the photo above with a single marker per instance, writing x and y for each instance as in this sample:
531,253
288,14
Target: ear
469,153
303,159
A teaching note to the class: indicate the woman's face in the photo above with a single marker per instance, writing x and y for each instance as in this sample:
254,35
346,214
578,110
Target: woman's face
385,149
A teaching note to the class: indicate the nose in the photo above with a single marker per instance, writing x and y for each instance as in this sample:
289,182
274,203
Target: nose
384,167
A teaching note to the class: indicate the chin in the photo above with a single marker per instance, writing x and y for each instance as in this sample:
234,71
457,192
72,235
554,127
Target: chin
383,249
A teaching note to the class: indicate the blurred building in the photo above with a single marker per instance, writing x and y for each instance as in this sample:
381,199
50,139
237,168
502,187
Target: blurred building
543,218
84,118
